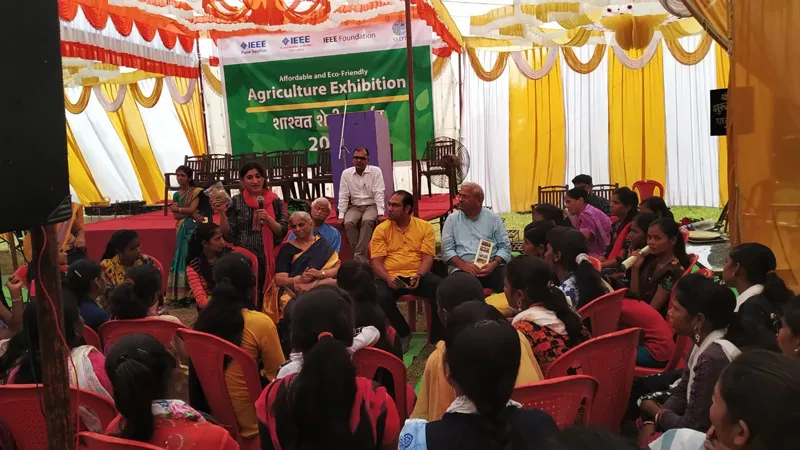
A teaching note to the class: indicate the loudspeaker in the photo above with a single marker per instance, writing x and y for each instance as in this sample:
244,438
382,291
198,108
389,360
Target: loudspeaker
34,178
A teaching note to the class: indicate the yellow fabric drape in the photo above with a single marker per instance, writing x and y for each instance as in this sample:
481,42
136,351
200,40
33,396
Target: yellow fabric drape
764,129
636,120
583,68
723,73
438,66
80,177
633,32
537,140
689,58
80,105
191,117
131,131
713,16
483,74
213,82
147,102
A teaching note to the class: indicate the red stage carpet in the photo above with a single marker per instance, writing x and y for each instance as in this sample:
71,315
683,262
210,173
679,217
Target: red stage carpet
157,231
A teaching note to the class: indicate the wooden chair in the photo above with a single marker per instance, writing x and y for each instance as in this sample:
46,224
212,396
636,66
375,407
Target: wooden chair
321,174
437,161
605,190
279,173
609,359
553,195
561,397
208,353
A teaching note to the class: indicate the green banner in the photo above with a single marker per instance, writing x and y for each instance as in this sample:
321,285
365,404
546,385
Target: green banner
282,105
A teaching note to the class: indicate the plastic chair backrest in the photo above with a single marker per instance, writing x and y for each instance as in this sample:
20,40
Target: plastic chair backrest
678,360
21,414
157,264
94,441
647,188
611,360
368,360
603,312
253,262
91,338
560,397
163,330
207,353
616,251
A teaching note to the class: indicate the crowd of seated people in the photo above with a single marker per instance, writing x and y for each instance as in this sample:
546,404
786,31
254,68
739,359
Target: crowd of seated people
302,315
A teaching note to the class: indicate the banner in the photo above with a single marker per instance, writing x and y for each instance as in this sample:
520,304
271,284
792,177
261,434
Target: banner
280,88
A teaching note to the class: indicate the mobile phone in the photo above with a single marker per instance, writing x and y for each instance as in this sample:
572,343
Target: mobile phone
403,281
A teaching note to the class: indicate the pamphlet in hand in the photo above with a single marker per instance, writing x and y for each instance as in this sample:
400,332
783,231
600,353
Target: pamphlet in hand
484,254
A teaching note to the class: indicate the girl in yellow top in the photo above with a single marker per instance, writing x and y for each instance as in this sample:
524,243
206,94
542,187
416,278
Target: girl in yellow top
460,301
229,316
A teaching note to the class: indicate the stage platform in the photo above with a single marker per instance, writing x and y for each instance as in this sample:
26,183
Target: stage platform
157,231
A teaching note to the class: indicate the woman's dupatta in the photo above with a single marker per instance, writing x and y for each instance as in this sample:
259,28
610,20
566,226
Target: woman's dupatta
269,307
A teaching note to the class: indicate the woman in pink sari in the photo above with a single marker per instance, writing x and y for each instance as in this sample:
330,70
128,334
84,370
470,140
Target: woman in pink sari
256,220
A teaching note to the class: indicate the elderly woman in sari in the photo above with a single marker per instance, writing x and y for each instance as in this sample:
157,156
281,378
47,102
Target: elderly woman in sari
185,209
303,262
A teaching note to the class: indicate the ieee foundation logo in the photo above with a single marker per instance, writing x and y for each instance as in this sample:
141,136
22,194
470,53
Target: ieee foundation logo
253,47
296,43
399,31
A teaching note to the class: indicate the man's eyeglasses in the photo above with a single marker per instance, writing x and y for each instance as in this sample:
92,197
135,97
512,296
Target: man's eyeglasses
360,158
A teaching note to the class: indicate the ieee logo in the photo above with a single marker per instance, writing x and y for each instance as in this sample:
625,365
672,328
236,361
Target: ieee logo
296,41
399,28
253,47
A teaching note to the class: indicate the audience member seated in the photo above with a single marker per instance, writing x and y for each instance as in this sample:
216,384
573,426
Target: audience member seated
482,361
654,275
550,213
637,240
325,405
84,282
22,359
590,221
27,273
750,269
625,207
588,438
362,338
754,408
702,310
535,243
141,371
10,318
358,279
789,334
658,343
463,232
435,393
585,182
137,297
548,322
402,251
230,316
205,247
656,205
122,253
303,262
361,202
580,280
320,211
255,220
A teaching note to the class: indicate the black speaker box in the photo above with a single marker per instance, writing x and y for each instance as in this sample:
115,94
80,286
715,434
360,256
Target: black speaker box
34,178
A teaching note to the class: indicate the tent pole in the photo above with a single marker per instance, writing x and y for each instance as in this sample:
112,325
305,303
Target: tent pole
412,119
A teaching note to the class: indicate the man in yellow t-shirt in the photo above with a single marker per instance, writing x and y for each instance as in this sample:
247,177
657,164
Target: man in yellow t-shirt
401,253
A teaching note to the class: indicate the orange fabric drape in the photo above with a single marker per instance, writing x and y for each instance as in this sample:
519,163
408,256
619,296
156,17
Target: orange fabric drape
127,121
147,102
488,75
689,58
713,15
588,67
80,105
191,117
764,129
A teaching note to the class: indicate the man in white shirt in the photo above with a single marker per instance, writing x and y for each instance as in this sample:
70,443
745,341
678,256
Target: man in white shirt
361,202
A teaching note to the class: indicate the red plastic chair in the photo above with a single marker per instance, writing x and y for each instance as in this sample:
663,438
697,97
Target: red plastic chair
157,264
647,188
94,441
561,397
21,414
610,359
682,344
253,262
207,353
163,330
603,313
369,360
91,338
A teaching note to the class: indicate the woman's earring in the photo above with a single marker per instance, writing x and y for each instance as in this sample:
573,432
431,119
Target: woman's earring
697,336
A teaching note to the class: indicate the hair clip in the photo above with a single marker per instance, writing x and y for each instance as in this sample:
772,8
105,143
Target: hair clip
77,273
323,334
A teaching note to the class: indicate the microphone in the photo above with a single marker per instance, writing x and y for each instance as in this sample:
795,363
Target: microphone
260,206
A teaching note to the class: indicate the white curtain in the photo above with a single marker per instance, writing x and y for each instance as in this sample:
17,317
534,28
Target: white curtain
104,154
586,109
445,100
484,132
692,161
164,130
